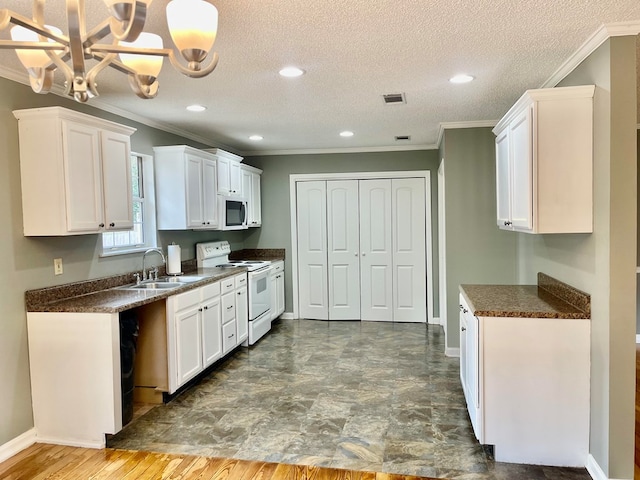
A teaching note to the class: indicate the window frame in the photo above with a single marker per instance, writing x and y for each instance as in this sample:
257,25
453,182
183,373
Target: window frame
150,232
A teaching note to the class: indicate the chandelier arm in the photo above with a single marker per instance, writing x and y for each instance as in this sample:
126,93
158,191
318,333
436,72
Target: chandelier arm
8,17
93,73
143,86
114,63
128,28
193,72
75,20
97,33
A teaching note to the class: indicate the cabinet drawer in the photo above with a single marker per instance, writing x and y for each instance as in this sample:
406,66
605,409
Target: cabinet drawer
228,284
186,299
229,339
211,290
228,307
277,268
241,280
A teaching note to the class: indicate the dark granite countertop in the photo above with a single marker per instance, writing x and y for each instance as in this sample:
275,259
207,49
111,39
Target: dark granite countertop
549,299
113,299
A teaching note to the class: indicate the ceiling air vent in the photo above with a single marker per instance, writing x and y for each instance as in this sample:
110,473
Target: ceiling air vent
403,137
394,98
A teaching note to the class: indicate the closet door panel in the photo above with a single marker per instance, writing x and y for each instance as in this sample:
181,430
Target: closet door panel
312,249
376,250
409,263
343,250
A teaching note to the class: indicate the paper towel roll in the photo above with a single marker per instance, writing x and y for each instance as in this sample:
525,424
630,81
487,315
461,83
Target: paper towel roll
174,265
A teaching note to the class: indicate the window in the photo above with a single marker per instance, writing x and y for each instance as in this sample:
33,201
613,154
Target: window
143,235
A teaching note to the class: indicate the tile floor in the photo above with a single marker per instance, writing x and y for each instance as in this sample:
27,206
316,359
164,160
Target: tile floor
357,395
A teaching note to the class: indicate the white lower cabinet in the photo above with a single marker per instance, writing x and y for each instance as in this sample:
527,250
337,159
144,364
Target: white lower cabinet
526,384
277,289
242,309
194,319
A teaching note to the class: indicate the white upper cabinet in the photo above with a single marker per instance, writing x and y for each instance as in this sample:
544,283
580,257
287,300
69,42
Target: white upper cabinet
185,188
251,191
544,162
75,173
229,176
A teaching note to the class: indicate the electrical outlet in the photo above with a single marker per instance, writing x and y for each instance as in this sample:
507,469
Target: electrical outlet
57,266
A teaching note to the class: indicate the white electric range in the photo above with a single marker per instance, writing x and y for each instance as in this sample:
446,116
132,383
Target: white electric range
216,254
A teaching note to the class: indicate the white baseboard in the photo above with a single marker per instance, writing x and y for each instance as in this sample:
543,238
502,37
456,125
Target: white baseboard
594,469
72,443
435,321
637,338
15,446
452,352
287,316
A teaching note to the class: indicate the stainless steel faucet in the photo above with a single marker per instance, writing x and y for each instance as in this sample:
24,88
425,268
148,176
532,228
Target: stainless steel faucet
145,275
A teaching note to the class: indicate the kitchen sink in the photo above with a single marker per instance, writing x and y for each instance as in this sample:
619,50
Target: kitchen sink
155,285
182,279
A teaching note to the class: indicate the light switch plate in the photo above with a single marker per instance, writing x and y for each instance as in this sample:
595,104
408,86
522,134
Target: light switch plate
57,266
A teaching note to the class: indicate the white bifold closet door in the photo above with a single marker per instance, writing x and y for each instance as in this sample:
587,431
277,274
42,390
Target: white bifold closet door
361,249
376,279
343,250
312,249
409,243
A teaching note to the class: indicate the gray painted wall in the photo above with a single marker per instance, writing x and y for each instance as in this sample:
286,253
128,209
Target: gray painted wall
603,263
276,216
27,263
477,251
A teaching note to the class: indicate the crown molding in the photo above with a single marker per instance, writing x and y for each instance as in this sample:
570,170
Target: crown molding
321,151
601,35
457,125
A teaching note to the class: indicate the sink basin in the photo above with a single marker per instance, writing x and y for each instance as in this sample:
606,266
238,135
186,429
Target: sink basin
155,285
182,279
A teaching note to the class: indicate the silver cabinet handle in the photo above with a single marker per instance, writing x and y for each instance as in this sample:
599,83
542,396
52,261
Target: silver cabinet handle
464,329
464,310
229,307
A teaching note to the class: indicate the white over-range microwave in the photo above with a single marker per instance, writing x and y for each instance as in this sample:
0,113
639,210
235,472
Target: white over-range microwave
233,213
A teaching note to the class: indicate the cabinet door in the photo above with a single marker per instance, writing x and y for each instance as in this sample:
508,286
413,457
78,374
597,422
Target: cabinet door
473,373
343,250
188,343
312,249
247,193
83,177
274,296
280,306
377,252
235,180
409,261
211,331
229,337
224,186
242,314
520,141
256,204
210,197
503,180
116,178
195,195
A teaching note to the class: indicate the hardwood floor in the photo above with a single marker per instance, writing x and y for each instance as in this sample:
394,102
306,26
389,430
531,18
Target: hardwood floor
42,461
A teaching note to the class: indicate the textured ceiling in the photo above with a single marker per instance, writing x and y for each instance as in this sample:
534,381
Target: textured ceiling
353,52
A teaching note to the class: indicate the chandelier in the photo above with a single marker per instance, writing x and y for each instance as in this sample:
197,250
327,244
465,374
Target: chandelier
43,49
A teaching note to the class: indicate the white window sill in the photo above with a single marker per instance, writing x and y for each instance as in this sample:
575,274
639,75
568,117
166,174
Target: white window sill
124,251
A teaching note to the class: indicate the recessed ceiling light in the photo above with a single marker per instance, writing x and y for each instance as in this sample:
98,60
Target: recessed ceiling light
196,108
291,72
462,78
346,133
256,138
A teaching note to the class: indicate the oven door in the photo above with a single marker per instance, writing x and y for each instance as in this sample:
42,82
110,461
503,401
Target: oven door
259,292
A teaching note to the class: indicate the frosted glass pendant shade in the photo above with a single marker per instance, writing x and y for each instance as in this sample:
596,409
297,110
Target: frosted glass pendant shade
193,24
32,58
143,64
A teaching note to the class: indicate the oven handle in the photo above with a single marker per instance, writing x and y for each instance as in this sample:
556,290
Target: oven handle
258,274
